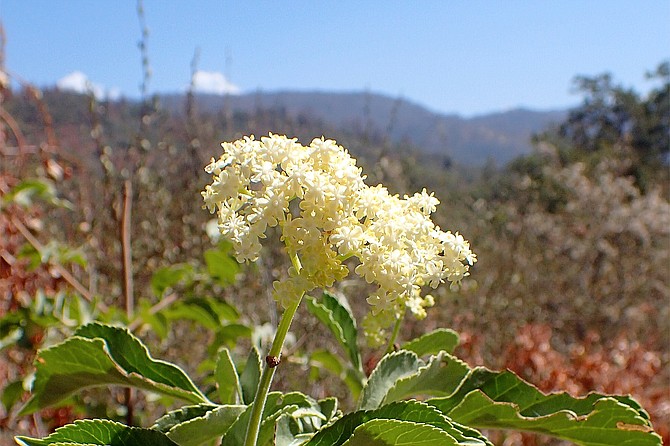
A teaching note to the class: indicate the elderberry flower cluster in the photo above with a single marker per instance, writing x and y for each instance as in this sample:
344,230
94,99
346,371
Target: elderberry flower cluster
317,196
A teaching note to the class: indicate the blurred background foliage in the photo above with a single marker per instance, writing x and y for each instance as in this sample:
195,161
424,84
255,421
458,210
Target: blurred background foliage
101,218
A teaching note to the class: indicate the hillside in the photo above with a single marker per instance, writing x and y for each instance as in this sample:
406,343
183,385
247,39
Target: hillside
472,141
366,118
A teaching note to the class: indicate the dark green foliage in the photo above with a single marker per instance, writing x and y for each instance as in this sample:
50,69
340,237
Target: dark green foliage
468,398
611,114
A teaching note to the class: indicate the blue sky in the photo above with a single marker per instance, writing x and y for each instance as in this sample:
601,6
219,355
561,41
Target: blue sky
467,57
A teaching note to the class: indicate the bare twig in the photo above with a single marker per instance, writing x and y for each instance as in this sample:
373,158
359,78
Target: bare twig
163,303
65,274
39,425
140,143
146,68
14,127
192,116
126,249
52,141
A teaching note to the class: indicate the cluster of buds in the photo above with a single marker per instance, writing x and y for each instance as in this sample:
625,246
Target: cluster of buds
316,194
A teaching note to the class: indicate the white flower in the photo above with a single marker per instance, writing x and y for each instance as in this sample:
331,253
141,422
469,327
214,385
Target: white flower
338,216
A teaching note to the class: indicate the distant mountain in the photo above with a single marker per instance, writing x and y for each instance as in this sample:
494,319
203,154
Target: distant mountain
498,136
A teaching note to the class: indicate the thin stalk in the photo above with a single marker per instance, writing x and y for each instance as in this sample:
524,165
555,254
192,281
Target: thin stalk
128,287
271,362
126,252
394,335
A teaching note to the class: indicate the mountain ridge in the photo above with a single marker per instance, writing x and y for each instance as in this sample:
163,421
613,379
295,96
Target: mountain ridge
498,136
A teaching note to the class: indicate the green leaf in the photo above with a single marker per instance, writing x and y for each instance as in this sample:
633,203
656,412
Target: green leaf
251,376
185,413
328,407
157,321
52,251
11,394
441,376
221,266
227,379
197,310
485,399
208,312
335,315
207,427
327,360
169,276
502,400
12,336
99,355
100,432
303,416
25,193
342,429
236,433
223,310
442,339
131,354
398,433
304,413
297,425
231,332
284,436
392,367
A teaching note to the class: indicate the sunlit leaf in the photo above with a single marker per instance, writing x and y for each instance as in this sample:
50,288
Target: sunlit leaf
250,376
100,355
391,368
304,414
227,378
11,336
442,339
195,427
343,429
339,320
236,433
502,400
328,407
398,433
327,360
485,399
440,376
177,416
285,436
100,432
224,310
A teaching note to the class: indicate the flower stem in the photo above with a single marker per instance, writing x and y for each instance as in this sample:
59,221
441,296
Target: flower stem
271,362
394,335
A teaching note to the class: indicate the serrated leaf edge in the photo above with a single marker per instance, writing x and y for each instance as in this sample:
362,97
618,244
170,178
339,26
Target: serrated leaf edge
201,398
378,368
426,366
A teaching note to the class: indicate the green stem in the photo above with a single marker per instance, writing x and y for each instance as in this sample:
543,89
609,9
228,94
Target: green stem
271,362
394,335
